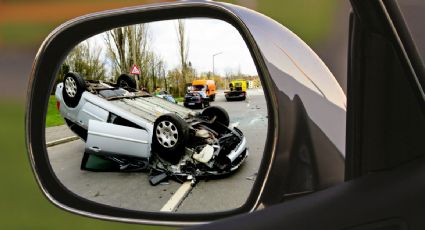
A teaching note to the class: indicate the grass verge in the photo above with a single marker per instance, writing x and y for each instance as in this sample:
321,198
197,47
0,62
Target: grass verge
53,117
179,99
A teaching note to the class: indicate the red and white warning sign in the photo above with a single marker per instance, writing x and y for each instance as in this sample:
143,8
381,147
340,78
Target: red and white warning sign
135,70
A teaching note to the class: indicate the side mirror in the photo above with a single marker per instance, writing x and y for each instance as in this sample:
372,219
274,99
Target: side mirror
296,137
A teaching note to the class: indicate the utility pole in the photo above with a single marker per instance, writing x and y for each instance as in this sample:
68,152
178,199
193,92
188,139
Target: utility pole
213,57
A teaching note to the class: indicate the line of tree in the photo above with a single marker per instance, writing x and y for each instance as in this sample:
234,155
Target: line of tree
125,46
84,60
129,45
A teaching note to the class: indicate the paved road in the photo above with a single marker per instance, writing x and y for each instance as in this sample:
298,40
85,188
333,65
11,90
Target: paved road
133,191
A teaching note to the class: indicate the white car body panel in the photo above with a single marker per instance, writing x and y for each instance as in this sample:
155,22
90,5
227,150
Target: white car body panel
111,139
140,111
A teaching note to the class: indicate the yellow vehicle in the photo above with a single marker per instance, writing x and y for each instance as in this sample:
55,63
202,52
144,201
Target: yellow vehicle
207,86
237,90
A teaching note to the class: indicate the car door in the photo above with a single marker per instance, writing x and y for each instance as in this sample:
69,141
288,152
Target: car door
90,111
112,140
385,164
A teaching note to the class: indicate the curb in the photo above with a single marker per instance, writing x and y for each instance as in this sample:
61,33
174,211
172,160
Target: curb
62,141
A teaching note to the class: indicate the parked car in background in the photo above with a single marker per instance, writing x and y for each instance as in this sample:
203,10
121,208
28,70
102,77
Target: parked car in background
165,95
196,99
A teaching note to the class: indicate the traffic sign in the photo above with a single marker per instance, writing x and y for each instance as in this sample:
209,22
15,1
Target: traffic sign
135,70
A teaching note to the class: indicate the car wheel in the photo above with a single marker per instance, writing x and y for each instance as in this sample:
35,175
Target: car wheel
221,116
126,81
170,135
73,87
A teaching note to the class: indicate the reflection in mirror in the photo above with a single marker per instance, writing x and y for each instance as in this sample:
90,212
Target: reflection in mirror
159,116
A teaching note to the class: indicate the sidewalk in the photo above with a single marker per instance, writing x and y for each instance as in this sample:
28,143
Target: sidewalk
58,132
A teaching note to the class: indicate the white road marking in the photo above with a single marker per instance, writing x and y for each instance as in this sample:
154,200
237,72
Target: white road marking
177,198
61,141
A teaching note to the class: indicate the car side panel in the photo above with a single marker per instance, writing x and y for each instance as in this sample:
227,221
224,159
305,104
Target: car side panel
111,139
89,112
77,113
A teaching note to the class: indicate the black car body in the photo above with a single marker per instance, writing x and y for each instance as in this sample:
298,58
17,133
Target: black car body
237,91
196,99
235,95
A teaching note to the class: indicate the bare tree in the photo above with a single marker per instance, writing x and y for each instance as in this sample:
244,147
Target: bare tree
173,78
183,46
127,46
85,60
158,71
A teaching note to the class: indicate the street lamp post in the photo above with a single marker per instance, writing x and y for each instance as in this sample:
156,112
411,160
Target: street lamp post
213,56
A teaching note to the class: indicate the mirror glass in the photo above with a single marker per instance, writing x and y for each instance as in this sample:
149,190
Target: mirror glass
166,116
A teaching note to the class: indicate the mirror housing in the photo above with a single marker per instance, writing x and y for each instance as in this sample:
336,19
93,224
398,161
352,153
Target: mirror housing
303,98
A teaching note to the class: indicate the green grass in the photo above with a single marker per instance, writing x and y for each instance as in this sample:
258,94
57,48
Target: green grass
179,99
311,20
23,206
24,33
53,117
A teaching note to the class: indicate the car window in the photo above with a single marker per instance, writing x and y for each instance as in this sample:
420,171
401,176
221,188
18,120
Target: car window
198,87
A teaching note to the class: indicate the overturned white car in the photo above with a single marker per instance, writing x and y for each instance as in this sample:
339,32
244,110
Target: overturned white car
141,132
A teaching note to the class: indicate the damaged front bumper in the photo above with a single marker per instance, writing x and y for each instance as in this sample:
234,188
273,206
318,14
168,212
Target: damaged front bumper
239,155
205,157
235,158
190,168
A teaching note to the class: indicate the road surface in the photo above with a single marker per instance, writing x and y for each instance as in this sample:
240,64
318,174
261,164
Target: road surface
133,191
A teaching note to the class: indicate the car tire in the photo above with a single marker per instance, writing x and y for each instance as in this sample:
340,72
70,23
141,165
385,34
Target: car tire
127,82
221,116
170,134
73,87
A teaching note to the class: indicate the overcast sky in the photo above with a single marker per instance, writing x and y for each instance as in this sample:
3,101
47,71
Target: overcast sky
206,37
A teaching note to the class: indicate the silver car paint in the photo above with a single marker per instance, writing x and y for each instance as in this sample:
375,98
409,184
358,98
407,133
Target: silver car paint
109,139
92,113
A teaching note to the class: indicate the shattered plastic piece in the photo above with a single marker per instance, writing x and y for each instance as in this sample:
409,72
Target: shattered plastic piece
202,133
155,180
252,177
205,155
